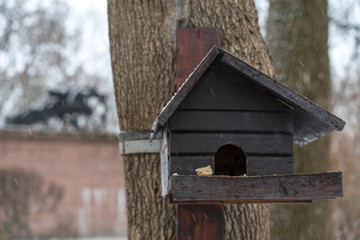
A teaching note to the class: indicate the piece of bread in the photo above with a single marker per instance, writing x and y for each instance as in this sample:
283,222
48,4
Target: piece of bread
205,171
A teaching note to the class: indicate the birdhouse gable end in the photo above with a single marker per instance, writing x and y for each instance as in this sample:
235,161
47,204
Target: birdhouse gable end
223,89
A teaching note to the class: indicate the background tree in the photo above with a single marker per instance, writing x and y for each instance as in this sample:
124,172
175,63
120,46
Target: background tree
39,51
32,40
297,36
345,155
142,45
344,147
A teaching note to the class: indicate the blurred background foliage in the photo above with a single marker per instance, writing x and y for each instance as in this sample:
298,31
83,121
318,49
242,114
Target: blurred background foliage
43,48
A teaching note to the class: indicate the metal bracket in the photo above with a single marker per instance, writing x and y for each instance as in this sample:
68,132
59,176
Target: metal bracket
133,142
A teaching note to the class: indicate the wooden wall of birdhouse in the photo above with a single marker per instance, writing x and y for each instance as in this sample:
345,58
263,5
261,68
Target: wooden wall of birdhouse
229,123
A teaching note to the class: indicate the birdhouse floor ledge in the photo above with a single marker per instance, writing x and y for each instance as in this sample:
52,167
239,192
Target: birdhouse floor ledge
291,188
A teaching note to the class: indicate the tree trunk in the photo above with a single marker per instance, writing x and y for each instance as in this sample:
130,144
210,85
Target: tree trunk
297,35
142,57
142,45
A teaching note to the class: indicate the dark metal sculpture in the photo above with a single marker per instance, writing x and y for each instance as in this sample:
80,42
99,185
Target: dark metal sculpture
67,106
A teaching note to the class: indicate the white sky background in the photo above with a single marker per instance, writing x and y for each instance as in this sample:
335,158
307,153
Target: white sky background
341,45
91,15
90,18
87,19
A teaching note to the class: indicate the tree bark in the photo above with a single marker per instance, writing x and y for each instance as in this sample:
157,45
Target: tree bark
142,57
297,35
142,46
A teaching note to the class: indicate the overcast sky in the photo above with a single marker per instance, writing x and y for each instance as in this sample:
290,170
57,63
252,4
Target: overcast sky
91,16
95,51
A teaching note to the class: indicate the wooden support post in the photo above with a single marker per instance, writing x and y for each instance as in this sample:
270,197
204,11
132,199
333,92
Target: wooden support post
192,45
196,221
200,221
256,189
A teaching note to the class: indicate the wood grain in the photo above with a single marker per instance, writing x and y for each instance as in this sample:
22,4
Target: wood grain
192,45
200,221
252,143
265,165
302,187
195,222
234,121
229,93
186,165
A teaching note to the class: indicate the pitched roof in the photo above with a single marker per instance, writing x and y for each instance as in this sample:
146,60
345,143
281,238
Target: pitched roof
310,120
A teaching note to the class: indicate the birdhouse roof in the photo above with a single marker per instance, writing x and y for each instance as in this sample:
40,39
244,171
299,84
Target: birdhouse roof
310,120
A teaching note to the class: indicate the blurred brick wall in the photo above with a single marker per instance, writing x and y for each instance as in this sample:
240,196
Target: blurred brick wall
87,167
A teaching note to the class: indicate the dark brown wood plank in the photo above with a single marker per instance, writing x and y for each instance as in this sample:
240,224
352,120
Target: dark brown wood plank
301,187
186,165
276,201
200,221
192,45
253,144
234,121
265,165
232,93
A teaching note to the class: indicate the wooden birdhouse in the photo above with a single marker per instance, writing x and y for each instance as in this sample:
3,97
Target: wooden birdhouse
243,124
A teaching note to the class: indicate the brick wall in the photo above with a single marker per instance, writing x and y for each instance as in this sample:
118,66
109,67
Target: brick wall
88,168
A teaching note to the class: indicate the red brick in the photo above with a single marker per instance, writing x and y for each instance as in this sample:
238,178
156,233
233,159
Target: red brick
89,171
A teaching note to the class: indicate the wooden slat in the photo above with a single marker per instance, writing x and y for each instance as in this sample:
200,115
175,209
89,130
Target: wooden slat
276,201
232,93
186,165
302,187
260,165
200,221
208,143
235,121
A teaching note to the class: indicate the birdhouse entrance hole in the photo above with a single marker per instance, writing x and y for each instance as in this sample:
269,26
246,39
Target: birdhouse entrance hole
230,160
